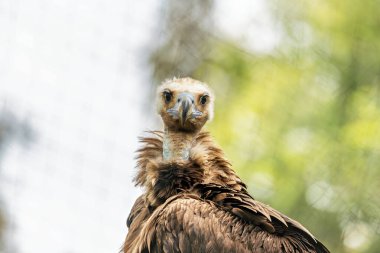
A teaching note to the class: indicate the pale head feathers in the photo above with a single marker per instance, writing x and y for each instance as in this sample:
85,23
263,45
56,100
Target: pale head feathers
195,88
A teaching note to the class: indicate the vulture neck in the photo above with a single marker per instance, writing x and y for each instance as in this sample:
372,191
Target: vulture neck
177,145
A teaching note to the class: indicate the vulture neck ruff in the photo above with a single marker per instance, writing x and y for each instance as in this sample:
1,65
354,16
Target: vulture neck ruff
177,145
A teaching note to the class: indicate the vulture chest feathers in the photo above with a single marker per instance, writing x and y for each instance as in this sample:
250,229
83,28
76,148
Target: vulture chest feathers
193,200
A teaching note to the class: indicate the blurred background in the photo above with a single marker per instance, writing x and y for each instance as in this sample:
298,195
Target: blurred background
297,111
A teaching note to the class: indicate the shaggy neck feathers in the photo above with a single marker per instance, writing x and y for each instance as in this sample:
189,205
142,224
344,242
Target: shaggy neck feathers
162,177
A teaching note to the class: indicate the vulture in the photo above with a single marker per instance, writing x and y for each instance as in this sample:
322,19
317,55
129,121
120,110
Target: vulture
193,200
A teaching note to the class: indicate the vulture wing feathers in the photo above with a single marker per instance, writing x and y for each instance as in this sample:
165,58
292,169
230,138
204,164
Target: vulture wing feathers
188,223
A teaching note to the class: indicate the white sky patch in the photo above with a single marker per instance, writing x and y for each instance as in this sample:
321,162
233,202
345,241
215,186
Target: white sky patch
73,69
248,22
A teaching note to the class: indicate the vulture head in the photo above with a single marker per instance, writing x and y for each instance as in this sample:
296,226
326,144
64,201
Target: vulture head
184,104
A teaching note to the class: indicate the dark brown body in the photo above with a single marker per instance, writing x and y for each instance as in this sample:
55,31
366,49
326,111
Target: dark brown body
201,205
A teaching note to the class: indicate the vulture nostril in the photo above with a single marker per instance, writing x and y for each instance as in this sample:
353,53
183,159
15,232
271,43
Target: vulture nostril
178,100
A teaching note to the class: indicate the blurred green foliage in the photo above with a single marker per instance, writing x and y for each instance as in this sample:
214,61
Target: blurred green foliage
301,124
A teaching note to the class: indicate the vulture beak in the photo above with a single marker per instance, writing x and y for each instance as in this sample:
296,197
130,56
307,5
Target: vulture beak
184,109
186,102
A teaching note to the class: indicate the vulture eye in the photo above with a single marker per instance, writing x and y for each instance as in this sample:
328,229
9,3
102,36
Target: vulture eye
204,99
168,96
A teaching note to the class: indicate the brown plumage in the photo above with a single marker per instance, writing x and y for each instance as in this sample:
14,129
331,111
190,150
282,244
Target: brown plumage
193,200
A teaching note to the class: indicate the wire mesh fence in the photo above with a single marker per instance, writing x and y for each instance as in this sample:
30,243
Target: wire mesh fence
297,111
